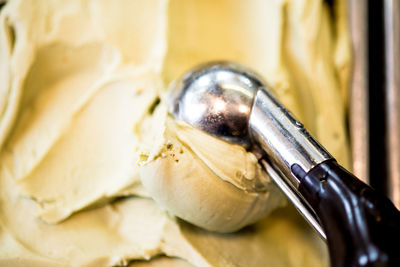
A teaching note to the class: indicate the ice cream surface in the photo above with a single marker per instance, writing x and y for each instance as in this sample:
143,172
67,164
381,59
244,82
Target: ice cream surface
206,181
93,171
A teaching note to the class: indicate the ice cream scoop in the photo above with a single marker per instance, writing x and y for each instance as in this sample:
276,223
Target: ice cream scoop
232,102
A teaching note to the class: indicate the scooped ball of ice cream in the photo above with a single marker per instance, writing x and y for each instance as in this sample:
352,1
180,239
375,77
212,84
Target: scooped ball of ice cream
201,179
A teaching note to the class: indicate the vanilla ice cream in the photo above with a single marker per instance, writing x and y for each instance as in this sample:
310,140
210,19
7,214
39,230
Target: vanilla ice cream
93,170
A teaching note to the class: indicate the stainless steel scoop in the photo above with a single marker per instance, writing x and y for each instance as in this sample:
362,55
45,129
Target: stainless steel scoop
231,102
218,99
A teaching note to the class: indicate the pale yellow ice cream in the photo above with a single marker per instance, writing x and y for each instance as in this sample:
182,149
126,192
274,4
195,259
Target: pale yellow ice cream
88,160
206,181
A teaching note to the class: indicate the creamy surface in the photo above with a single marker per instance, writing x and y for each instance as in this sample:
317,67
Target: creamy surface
206,181
93,172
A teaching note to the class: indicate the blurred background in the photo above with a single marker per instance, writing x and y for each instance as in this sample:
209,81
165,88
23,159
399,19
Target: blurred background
374,111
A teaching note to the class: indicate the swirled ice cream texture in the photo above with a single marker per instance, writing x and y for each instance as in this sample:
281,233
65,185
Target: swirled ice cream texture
204,180
79,80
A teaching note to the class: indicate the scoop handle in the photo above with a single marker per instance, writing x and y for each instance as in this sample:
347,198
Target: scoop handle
359,224
362,227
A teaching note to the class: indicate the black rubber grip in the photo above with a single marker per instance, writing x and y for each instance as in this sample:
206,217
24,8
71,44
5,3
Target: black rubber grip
362,226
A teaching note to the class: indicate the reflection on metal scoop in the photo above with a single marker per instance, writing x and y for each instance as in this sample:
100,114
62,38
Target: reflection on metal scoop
216,98
231,102
228,101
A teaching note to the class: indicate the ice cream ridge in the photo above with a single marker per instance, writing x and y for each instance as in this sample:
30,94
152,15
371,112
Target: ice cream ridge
94,171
